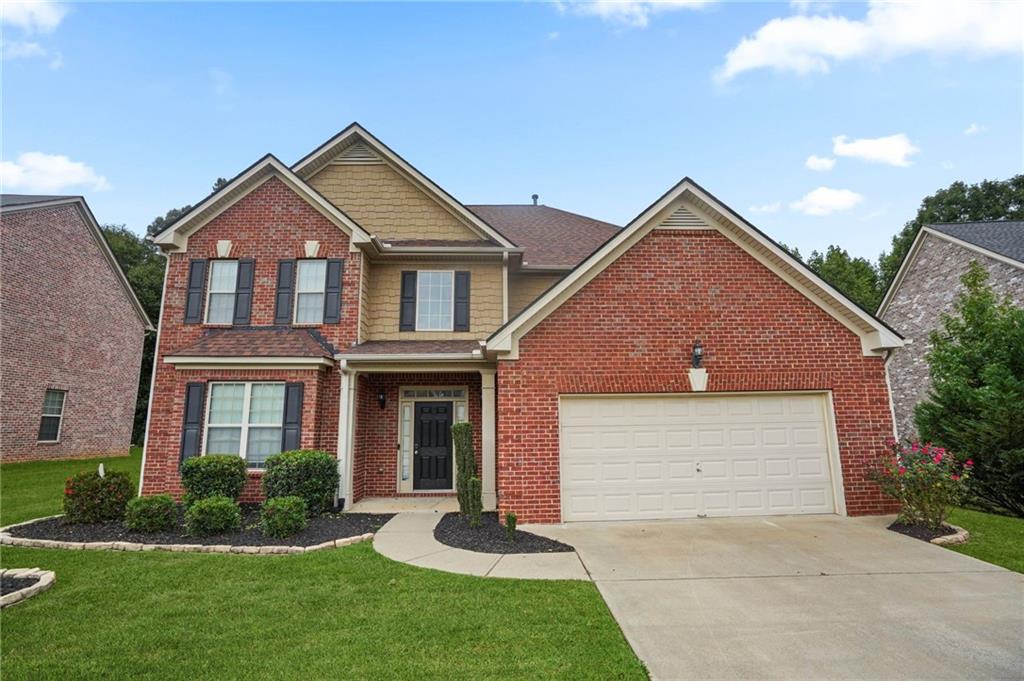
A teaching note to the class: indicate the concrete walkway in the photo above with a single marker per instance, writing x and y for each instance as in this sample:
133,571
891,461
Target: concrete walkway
409,538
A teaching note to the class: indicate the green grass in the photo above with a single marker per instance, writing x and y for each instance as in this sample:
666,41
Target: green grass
344,613
33,489
994,538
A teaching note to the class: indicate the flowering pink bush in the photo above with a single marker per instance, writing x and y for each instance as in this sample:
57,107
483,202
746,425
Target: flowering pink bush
926,480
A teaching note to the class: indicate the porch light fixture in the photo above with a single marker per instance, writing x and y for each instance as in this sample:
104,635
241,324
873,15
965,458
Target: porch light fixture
698,354
381,399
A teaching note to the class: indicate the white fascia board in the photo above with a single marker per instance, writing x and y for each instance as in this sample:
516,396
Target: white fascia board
194,362
421,357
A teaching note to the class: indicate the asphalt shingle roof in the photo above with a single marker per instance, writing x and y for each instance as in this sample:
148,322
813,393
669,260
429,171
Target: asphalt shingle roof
258,342
1005,237
413,347
25,199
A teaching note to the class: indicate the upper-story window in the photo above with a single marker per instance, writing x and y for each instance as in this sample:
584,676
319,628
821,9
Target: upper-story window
220,302
310,291
435,300
53,416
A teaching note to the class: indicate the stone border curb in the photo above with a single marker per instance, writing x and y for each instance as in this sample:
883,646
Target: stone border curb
46,580
960,537
8,540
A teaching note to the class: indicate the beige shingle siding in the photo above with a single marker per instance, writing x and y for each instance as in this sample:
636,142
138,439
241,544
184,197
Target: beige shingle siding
523,289
386,204
384,297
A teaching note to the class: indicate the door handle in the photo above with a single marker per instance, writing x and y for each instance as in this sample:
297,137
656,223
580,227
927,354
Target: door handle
698,467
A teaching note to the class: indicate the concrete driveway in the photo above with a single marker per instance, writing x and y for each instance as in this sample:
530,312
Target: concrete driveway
812,597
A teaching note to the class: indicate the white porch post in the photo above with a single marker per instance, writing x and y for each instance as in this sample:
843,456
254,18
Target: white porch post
488,433
346,433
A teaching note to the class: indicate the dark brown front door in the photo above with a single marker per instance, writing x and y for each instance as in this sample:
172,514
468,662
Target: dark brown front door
432,446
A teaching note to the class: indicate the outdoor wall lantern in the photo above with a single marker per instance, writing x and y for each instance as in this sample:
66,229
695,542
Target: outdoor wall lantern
698,354
381,399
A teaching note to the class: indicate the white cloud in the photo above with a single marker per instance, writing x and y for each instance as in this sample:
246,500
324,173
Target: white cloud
56,61
825,200
39,172
804,44
893,150
772,207
553,35
821,163
632,13
974,129
32,16
23,49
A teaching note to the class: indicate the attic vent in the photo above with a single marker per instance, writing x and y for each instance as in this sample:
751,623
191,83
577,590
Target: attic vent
683,218
357,154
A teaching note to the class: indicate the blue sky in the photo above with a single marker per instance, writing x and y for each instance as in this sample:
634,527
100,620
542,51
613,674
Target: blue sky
598,108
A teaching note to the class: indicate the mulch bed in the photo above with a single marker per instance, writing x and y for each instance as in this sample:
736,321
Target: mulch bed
490,537
922,532
320,529
12,584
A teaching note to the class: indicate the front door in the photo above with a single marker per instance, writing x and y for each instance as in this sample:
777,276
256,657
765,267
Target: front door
432,446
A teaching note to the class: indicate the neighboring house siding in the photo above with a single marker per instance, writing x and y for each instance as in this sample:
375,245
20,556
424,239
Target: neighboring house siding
66,323
384,299
387,205
631,329
523,289
928,290
269,224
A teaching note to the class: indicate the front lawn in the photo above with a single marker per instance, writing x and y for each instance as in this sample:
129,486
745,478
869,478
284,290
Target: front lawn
994,538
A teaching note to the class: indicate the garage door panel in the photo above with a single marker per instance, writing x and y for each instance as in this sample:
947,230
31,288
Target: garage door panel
637,457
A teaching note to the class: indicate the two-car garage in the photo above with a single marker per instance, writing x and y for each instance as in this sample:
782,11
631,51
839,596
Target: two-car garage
643,457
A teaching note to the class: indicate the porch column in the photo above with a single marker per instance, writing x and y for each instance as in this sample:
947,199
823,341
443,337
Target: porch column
346,433
488,434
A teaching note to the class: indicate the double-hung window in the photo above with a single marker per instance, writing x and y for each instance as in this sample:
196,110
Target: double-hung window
435,296
310,291
245,419
53,416
220,302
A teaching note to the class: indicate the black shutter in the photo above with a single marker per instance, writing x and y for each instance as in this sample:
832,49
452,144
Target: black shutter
407,314
194,294
243,291
291,434
461,301
192,427
285,292
332,292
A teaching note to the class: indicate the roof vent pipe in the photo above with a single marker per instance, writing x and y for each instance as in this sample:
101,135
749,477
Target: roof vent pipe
535,197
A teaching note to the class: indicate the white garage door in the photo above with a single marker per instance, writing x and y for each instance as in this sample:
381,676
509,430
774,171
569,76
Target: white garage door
683,456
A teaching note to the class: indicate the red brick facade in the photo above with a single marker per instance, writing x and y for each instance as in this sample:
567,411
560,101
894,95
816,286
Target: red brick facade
66,323
631,329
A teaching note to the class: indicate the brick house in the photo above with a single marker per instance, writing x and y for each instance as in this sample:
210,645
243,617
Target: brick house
926,286
71,334
683,365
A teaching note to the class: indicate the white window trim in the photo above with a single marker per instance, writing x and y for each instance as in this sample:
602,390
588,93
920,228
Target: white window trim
209,291
323,292
419,299
60,417
243,440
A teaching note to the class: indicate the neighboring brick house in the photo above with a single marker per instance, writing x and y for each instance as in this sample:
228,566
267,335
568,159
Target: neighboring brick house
926,286
71,334
348,303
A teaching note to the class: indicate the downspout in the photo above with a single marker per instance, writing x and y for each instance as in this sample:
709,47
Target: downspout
152,375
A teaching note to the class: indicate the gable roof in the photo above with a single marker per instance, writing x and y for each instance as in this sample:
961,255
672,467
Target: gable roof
1001,240
175,235
551,238
701,211
10,203
354,133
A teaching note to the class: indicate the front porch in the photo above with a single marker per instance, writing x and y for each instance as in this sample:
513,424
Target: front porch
395,445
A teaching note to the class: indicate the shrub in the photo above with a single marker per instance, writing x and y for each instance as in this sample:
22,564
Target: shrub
465,463
305,473
91,498
151,514
213,475
283,516
475,505
213,515
924,479
510,525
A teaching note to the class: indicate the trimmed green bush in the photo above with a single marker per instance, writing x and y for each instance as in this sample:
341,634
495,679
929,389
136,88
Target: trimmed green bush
465,463
90,498
283,516
510,525
306,473
213,515
476,506
151,514
213,475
